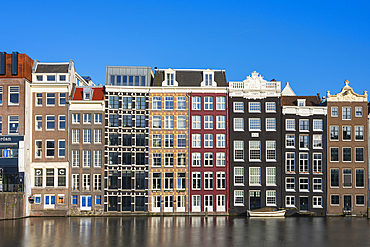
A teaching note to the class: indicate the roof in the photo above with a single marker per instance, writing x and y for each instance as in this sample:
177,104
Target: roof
190,78
292,100
287,91
98,93
52,68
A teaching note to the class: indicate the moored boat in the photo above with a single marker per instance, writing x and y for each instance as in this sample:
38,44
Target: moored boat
279,213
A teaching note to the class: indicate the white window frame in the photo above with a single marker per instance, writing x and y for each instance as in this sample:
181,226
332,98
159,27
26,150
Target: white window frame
271,176
238,107
196,140
317,125
239,176
270,124
13,90
196,122
75,158
317,141
86,156
317,159
255,172
270,196
220,122
208,103
181,122
208,159
290,184
208,140
169,103
75,136
238,124
317,202
317,182
168,122
38,127
220,159
155,120
303,166
98,118
290,201
196,103
196,180
254,107
98,135
289,123
208,181
220,102
270,107
208,122
254,145
60,149
345,113
238,146
221,140
86,135
86,118
254,124
238,194
360,111
336,111
270,150
181,106
196,160
304,181
48,96
98,158
48,120
61,121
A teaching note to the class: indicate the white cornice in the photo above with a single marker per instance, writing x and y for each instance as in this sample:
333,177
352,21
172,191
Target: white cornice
305,110
346,95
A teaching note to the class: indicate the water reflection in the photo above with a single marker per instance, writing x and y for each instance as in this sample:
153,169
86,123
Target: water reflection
185,231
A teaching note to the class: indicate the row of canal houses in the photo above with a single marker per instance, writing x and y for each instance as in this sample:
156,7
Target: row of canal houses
176,141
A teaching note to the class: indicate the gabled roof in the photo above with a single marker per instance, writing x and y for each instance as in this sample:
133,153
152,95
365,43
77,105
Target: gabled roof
292,100
98,93
190,78
52,68
287,91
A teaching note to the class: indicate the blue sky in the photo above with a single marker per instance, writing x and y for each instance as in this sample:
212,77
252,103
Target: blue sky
315,45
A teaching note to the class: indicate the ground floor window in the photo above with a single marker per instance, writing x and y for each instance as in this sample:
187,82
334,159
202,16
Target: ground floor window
290,201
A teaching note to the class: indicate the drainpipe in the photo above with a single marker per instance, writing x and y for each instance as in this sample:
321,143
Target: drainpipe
189,160
69,162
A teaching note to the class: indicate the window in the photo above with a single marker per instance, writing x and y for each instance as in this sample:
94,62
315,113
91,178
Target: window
334,200
208,103
238,198
220,122
168,159
347,154
208,159
75,118
317,141
196,180
196,122
221,180
317,201
62,99
334,177
360,200
168,103
220,159
75,158
196,103
157,141
157,122
196,159
140,139
254,176
38,149
303,141
50,177
127,102
181,159
87,118
220,103
113,139
140,180
270,107
168,181
126,121
290,184
86,181
140,121
38,177
238,150
290,124
290,201
140,159
303,162
50,149
181,103
238,107
238,124
196,140
181,141
347,178
208,140
61,148
208,180
255,150
254,107
1,125
140,103
270,150
50,77
270,176
87,135
62,78
97,136
334,111
303,125
359,154
317,125
86,158
334,133
62,177
62,122
157,159
317,162
359,133
221,141
97,158
50,99
360,178
290,163
168,141
156,103
168,122
181,122
181,181
13,125
170,79
270,198
254,124
38,122
303,184
317,184
156,181
334,154
358,111
301,102
113,158
97,200
208,122
238,176
290,141
50,122
97,118
346,113
347,133
113,102
13,95
38,98
270,124
208,79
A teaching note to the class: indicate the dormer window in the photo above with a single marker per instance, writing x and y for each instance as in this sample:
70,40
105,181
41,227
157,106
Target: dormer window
62,78
209,80
50,78
86,96
87,92
39,78
170,77
301,102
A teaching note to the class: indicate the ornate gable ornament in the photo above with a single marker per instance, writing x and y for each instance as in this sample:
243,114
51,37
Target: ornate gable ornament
347,94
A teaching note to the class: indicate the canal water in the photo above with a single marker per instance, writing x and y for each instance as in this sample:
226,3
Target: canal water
185,231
